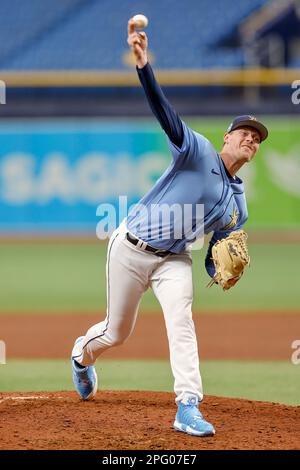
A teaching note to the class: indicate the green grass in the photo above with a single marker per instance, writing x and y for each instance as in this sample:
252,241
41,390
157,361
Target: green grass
52,277
71,278
275,381
271,282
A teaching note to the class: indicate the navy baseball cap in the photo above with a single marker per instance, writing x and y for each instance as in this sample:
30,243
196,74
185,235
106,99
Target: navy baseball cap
250,121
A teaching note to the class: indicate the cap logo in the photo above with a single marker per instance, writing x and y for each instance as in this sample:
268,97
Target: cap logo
252,118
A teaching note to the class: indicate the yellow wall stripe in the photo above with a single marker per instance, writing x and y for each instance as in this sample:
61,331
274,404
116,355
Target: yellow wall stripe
76,78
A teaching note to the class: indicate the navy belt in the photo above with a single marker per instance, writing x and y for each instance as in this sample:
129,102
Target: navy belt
148,248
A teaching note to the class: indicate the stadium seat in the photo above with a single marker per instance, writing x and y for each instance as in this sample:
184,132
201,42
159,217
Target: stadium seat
88,34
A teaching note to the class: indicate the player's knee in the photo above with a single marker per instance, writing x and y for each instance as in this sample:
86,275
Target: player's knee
117,340
181,320
117,334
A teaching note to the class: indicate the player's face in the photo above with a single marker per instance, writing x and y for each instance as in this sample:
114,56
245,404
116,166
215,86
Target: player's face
243,143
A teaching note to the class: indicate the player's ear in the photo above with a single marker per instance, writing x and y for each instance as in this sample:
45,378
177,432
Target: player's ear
225,138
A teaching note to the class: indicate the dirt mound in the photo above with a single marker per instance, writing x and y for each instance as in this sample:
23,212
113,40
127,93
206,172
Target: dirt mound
140,420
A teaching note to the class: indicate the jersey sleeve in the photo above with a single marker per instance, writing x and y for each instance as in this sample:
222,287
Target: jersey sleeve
160,106
183,141
194,146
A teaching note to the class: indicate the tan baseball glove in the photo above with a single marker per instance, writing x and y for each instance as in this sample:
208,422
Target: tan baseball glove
230,256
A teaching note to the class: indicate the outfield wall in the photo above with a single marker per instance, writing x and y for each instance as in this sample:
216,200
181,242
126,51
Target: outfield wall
55,173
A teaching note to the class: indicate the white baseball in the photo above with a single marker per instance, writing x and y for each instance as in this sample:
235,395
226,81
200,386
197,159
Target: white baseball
140,21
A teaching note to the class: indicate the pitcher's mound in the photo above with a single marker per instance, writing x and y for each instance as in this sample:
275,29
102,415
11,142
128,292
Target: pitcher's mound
140,420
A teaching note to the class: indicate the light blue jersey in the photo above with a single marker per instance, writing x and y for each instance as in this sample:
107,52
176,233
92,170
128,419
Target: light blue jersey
196,176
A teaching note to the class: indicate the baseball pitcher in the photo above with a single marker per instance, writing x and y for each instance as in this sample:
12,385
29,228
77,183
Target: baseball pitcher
140,255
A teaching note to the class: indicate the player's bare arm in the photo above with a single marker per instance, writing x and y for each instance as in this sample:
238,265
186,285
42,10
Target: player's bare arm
138,43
